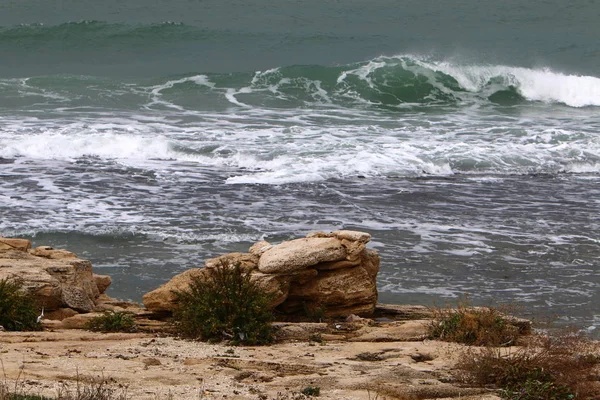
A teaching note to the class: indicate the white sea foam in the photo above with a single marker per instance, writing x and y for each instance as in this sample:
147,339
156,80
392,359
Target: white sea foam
534,84
104,145
274,153
156,91
201,80
583,168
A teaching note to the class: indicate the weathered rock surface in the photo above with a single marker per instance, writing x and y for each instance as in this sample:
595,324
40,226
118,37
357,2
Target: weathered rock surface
260,247
164,298
57,278
102,281
147,366
49,252
246,261
14,244
330,272
300,253
335,291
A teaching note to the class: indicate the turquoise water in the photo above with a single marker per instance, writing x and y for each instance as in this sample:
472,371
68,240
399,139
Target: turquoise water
149,136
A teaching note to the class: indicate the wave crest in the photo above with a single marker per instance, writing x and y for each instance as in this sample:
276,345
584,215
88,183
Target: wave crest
392,82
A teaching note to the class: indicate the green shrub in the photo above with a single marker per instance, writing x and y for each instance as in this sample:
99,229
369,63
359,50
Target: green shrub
112,321
18,311
563,367
225,306
473,326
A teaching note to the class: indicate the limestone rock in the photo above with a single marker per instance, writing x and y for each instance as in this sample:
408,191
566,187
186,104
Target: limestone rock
353,249
259,248
393,332
50,252
332,270
163,298
107,303
77,299
54,282
246,261
102,282
370,261
60,314
403,312
319,234
7,244
337,264
278,286
340,292
299,254
77,321
298,331
303,276
353,236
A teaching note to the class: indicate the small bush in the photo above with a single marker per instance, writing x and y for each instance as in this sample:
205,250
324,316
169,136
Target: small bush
473,326
317,338
225,306
546,368
310,391
18,311
112,321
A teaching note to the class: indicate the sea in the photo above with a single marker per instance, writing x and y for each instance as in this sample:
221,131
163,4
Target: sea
464,136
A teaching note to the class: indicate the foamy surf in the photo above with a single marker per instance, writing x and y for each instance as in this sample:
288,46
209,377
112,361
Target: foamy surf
541,84
274,147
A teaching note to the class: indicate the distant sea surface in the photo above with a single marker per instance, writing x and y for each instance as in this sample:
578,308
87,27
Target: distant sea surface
148,136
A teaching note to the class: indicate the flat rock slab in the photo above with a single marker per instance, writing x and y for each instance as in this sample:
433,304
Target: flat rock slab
7,244
393,332
301,253
153,367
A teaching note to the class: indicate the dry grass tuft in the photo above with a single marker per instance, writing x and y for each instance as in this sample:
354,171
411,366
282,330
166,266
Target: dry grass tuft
82,388
478,326
560,367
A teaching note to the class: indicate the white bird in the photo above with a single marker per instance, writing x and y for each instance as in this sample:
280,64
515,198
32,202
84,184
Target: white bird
39,318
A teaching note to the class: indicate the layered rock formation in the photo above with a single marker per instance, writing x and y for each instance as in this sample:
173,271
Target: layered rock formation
333,273
58,279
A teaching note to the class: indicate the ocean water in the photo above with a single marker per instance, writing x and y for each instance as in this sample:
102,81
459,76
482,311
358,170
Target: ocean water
464,136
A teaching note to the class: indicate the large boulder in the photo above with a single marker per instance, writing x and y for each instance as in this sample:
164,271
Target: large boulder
56,278
300,254
329,271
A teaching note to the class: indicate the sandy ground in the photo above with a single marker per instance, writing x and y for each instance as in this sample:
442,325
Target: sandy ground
386,361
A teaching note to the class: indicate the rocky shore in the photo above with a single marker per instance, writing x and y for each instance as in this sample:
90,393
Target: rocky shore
366,350
362,360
